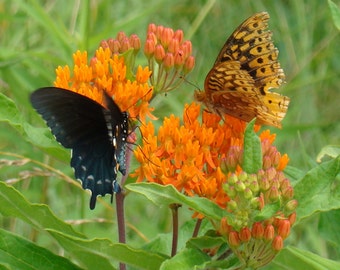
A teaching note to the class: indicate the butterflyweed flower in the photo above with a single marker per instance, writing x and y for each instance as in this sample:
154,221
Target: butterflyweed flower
188,156
169,57
205,158
107,71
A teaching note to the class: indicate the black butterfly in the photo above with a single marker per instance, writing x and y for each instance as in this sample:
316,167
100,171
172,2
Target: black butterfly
96,135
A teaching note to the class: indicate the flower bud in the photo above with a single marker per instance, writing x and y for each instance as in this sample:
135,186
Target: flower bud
257,230
291,205
277,243
233,239
292,218
245,234
248,193
179,36
189,64
168,61
159,53
284,228
269,232
149,48
232,205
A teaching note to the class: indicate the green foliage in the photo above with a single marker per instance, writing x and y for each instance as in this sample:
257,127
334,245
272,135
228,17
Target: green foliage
37,36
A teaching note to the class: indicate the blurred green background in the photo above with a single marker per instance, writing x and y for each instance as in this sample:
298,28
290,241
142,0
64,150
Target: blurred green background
37,36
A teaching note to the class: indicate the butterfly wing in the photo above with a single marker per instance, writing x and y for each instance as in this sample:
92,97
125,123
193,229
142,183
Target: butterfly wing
231,91
245,69
86,127
251,44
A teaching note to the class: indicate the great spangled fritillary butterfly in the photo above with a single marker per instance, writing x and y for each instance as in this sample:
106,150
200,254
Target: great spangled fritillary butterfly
244,71
96,135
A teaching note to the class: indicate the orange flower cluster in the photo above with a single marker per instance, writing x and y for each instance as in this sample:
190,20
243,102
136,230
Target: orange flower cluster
108,72
190,156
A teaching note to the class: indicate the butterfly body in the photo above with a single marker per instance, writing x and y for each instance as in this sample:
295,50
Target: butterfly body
95,134
245,70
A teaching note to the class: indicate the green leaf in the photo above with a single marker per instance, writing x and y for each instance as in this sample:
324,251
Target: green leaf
293,258
318,189
103,254
13,204
205,242
186,259
40,137
9,113
329,150
335,13
252,154
22,254
166,195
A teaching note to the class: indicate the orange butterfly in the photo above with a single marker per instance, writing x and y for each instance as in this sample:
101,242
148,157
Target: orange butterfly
244,71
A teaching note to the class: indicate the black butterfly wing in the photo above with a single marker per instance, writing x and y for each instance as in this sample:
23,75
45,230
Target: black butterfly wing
86,127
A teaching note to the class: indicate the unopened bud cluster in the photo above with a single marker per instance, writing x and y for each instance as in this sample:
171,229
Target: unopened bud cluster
169,57
253,240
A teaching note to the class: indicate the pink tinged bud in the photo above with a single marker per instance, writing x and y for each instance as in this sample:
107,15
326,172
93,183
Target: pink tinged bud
284,183
240,186
169,61
225,228
114,45
260,174
265,144
288,193
179,36
291,205
230,161
274,194
292,218
152,28
125,45
135,42
271,173
284,228
254,186
264,184
153,37
255,203
245,234
159,53
93,62
232,179
230,190
233,239
257,231
243,176
121,36
173,45
261,201
276,157
104,44
269,232
179,59
267,162
232,205
149,48
166,36
248,194
186,47
159,31
277,243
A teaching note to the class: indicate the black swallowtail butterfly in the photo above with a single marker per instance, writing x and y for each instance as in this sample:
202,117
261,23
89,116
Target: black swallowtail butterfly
96,135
